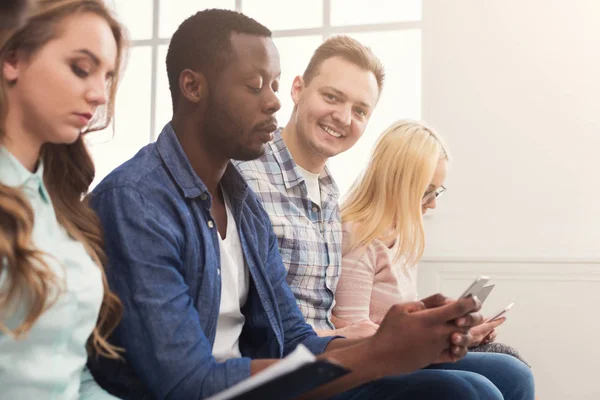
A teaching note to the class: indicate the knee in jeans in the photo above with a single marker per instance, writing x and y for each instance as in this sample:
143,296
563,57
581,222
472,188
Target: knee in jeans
467,385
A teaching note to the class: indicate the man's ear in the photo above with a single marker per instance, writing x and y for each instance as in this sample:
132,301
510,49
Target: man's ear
193,85
297,88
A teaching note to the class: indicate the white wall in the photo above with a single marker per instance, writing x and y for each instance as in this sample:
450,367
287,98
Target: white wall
513,87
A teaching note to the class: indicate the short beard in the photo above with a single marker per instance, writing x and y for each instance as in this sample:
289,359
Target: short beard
222,132
248,155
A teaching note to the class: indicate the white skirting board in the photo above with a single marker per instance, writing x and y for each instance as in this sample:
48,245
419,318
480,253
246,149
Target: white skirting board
554,323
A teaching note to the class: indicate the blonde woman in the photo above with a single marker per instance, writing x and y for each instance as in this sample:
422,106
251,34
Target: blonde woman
382,220
59,75
384,239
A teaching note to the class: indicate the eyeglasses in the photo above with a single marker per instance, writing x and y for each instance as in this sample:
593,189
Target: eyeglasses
432,194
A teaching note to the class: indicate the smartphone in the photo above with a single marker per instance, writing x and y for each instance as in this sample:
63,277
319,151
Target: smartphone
485,292
475,287
501,313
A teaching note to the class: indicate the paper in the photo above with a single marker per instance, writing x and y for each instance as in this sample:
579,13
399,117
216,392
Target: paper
298,358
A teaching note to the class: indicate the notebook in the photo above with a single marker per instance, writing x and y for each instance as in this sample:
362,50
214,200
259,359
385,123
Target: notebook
296,374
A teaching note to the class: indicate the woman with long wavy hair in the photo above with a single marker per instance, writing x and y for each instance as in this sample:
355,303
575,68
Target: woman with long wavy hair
59,76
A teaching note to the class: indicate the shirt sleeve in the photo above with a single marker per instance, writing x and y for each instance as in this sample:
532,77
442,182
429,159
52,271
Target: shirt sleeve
90,390
295,328
355,287
160,330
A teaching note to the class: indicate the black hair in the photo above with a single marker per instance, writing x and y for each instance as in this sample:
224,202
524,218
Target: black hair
203,43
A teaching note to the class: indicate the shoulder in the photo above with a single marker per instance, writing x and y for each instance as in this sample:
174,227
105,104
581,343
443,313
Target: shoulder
141,185
266,168
142,172
372,252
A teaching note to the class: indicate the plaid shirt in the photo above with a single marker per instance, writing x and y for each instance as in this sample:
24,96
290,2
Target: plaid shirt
309,234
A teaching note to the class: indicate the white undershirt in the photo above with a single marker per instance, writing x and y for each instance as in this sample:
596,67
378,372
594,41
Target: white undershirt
234,292
312,185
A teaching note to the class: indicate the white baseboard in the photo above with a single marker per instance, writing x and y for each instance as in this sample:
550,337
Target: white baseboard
553,323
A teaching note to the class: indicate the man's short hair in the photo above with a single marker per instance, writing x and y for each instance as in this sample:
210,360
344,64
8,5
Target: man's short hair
350,50
203,43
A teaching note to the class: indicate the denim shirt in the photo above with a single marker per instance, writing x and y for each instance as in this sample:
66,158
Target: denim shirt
164,264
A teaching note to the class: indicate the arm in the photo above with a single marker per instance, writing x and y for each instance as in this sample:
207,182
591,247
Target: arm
295,328
358,330
354,290
160,330
410,337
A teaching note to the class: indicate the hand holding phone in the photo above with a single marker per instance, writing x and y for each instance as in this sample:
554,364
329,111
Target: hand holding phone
500,313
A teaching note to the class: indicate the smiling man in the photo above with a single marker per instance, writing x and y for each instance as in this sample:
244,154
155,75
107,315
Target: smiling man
333,102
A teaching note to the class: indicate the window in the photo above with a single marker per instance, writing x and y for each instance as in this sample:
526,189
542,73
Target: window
392,28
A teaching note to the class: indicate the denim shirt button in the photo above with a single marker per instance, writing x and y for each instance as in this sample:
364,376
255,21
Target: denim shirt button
203,196
211,224
218,271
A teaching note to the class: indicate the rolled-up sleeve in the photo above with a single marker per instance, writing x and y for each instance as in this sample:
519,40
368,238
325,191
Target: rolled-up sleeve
161,329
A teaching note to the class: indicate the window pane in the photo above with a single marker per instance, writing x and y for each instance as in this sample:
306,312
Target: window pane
164,109
354,12
136,15
132,117
174,12
278,15
400,52
295,52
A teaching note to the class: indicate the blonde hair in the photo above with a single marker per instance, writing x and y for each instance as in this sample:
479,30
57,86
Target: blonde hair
385,202
350,50
68,173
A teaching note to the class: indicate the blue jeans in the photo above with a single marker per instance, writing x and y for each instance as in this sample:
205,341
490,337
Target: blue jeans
478,376
511,376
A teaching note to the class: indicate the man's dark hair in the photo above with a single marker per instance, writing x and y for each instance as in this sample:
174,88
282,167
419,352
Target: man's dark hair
203,43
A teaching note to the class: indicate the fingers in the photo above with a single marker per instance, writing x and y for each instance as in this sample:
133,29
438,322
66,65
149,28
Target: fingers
465,307
458,352
369,327
435,300
361,329
367,323
496,323
469,320
490,337
485,328
460,339
410,307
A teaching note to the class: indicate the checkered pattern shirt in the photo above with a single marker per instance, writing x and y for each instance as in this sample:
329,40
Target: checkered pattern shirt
309,234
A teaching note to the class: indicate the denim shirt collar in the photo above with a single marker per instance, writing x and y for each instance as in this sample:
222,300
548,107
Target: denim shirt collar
189,182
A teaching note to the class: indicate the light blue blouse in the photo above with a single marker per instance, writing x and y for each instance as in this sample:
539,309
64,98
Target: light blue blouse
49,362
